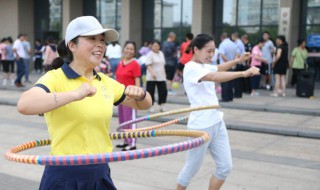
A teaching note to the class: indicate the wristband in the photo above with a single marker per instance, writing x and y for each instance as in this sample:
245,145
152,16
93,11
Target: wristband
144,95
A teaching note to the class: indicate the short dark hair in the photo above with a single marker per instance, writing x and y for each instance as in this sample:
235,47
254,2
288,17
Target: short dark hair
199,41
156,42
261,40
189,36
20,35
266,32
131,42
300,41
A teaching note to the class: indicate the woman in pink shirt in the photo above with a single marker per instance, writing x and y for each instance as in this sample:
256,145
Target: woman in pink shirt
257,61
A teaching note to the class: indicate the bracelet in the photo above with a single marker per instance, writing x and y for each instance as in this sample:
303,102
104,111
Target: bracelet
144,95
55,99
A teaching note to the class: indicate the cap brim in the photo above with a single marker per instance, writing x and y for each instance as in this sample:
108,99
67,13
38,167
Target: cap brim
111,35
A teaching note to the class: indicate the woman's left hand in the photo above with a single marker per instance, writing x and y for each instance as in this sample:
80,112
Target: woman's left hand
134,92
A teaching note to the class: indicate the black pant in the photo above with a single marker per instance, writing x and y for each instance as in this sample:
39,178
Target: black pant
227,91
162,90
38,64
295,75
238,83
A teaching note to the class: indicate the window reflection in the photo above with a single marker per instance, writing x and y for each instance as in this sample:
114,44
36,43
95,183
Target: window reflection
249,12
313,16
171,13
55,15
270,12
229,12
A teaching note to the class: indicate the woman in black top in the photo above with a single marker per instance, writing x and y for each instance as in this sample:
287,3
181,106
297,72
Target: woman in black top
280,65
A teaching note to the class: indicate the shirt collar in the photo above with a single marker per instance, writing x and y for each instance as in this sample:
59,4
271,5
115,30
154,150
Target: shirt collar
71,74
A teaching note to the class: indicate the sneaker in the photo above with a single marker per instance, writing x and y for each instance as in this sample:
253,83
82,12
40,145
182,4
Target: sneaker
171,93
283,95
127,148
268,87
274,95
163,108
12,82
255,94
151,110
121,145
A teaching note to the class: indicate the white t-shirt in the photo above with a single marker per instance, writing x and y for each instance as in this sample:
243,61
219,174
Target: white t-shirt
201,94
157,63
114,51
19,47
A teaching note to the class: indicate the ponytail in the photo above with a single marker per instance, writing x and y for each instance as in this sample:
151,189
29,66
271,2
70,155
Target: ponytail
65,55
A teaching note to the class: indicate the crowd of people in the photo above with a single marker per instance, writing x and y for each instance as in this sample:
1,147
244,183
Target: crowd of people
83,78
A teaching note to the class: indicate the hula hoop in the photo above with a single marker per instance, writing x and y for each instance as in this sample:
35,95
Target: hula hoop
198,139
173,112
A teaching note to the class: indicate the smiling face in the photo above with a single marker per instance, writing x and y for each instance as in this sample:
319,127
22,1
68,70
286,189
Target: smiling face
205,54
155,47
89,50
129,51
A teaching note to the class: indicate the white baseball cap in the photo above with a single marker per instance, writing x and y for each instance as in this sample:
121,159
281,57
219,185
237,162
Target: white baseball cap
88,26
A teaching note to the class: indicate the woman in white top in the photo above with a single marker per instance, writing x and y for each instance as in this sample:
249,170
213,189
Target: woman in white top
114,53
156,75
199,82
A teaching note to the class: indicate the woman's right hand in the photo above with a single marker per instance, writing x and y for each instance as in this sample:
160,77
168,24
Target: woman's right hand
85,90
251,72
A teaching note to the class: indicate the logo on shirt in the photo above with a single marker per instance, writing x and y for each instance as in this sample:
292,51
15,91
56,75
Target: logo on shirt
105,92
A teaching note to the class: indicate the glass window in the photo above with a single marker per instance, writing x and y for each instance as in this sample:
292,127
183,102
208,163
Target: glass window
253,33
171,16
229,12
313,16
168,16
249,12
187,13
55,15
270,12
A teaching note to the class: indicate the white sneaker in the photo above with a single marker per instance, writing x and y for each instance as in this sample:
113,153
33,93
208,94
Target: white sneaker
12,82
163,108
4,82
268,87
171,93
151,110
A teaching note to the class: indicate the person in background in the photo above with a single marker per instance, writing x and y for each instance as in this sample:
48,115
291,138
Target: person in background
19,56
114,54
268,51
156,75
77,104
2,46
200,78
8,62
144,50
280,65
26,59
228,51
169,50
38,56
128,73
185,57
238,82
257,60
298,60
50,54
248,48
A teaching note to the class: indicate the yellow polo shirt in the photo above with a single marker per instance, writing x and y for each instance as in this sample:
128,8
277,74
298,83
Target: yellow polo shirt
81,127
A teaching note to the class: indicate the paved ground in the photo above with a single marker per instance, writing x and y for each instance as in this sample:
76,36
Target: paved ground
261,161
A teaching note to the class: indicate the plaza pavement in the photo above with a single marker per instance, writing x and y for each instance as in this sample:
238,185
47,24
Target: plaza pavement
262,161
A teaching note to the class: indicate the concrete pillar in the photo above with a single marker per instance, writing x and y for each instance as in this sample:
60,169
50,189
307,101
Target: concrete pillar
131,21
70,10
202,17
289,21
9,17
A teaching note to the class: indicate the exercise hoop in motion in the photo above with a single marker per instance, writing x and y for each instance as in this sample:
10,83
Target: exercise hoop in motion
198,138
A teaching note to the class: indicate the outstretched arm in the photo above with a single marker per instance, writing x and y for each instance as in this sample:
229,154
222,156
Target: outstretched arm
228,65
227,76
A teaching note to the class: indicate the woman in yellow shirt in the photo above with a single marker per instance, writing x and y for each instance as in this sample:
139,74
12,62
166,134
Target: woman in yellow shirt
78,103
